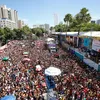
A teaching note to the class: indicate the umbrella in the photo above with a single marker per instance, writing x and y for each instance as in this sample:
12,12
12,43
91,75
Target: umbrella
38,68
5,59
26,59
25,53
52,71
9,97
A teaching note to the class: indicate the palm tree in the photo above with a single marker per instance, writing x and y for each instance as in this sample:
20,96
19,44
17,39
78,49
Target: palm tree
68,19
82,17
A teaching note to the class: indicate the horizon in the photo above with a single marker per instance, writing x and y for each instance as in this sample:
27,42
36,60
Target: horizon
42,12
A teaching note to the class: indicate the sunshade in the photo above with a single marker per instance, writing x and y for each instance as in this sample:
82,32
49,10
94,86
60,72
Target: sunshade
52,71
5,59
9,97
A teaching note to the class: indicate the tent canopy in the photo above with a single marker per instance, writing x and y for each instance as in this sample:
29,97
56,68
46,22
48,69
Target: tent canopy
91,34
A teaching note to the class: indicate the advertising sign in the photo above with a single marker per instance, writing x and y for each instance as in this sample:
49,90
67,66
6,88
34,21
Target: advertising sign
87,42
96,45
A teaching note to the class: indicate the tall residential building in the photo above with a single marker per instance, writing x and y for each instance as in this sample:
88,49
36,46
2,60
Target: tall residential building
21,24
98,21
8,17
45,26
56,21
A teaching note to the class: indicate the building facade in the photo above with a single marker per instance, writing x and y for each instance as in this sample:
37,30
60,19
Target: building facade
45,26
7,23
8,17
20,24
98,22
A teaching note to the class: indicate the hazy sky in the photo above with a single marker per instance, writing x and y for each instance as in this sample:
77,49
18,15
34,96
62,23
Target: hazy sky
41,11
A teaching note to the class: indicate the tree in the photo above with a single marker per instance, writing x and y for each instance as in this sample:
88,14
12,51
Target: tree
82,17
18,33
68,18
38,32
60,28
1,33
51,28
26,30
8,34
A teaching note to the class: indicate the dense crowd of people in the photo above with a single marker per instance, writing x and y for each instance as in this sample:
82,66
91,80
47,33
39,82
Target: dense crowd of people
20,78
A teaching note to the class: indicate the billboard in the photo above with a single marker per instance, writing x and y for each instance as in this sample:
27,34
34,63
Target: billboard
87,42
96,45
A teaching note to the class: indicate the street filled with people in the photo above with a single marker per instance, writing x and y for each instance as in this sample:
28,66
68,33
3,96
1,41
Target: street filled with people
20,77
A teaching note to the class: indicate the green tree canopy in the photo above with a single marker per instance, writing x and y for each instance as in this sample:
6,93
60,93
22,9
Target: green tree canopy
68,18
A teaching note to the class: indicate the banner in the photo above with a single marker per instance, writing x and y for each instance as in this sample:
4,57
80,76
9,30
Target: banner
50,82
87,42
90,63
79,55
96,45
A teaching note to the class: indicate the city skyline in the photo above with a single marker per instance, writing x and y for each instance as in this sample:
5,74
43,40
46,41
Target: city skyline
40,12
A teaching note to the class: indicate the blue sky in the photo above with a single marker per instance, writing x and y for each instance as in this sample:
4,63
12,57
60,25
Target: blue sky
41,11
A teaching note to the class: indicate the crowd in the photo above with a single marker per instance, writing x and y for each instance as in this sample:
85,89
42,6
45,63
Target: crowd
25,82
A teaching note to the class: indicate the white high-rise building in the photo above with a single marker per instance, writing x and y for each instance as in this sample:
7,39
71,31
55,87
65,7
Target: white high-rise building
8,17
56,21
